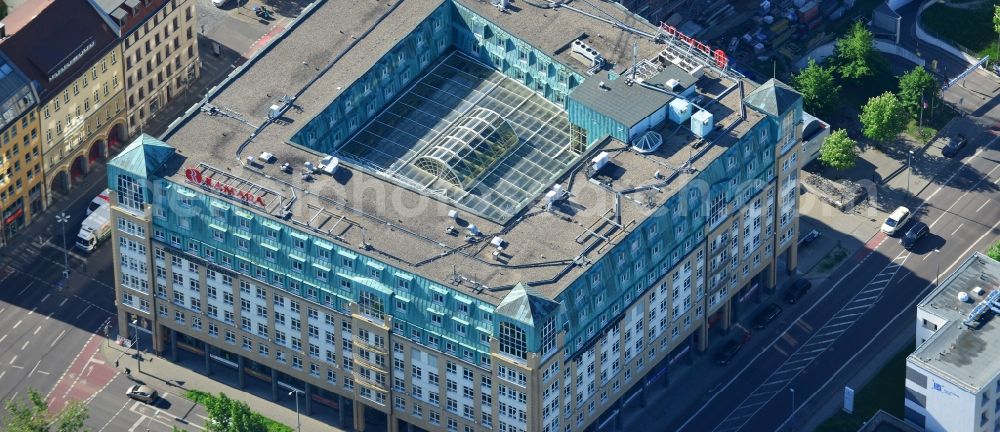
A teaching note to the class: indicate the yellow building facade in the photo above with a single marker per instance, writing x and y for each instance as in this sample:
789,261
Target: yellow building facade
83,122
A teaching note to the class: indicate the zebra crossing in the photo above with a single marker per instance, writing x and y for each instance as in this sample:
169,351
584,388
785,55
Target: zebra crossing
816,344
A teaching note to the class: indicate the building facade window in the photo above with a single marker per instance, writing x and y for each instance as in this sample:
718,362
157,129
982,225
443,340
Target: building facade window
513,341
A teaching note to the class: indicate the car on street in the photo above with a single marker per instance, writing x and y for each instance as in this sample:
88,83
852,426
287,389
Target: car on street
955,144
141,393
219,3
797,290
770,313
896,220
915,233
728,351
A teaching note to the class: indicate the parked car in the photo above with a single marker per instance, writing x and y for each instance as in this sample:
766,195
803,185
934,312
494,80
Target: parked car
896,220
955,144
797,290
728,351
770,313
915,233
219,3
142,393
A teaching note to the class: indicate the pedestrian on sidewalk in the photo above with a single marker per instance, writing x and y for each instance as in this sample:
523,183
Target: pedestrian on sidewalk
128,372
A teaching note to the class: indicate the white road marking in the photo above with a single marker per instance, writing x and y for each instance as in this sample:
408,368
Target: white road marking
3,338
45,298
857,265
12,360
83,312
114,416
37,329
906,309
956,229
983,205
25,344
23,290
34,368
2,373
63,302
32,311
17,324
138,422
57,339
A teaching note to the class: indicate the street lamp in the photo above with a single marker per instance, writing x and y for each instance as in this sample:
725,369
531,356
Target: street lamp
909,169
791,417
62,218
138,354
298,420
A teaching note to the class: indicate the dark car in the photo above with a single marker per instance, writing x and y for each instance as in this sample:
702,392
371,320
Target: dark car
798,289
915,233
955,144
728,351
770,313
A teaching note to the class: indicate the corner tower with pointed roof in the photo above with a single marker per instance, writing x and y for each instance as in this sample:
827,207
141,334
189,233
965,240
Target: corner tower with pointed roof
782,106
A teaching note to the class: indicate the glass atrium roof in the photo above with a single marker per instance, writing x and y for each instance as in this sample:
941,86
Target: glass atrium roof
467,135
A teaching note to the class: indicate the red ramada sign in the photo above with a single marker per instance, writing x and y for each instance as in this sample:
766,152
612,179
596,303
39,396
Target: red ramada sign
194,176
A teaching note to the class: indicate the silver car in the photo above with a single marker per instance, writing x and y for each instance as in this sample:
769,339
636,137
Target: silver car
142,393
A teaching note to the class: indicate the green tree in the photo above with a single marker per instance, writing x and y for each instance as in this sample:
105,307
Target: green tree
33,415
818,87
839,151
229,415
854,53
883,117
996,23
917,86
994,251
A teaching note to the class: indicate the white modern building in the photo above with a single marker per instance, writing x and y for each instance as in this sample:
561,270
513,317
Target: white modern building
953,377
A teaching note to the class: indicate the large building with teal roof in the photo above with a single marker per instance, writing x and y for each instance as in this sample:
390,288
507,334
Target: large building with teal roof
457,215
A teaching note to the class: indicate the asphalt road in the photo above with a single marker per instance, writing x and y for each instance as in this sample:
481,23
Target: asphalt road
111,411
868,307
43,320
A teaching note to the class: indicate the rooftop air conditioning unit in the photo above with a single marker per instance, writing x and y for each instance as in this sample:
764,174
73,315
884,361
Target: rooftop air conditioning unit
585,51
600,160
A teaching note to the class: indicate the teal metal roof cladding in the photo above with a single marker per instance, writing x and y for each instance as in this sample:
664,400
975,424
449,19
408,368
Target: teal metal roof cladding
526,305
626,104
773,97
145,155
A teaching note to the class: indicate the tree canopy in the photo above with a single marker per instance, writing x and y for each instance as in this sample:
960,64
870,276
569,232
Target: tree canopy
229,415
839,151
819,88
994,251
883,117
33,415
854,53
916,87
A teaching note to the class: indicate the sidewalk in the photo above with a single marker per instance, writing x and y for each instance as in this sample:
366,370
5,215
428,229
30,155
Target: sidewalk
842,236
165,376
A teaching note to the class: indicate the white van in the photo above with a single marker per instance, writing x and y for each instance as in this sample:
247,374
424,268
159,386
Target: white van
101,200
